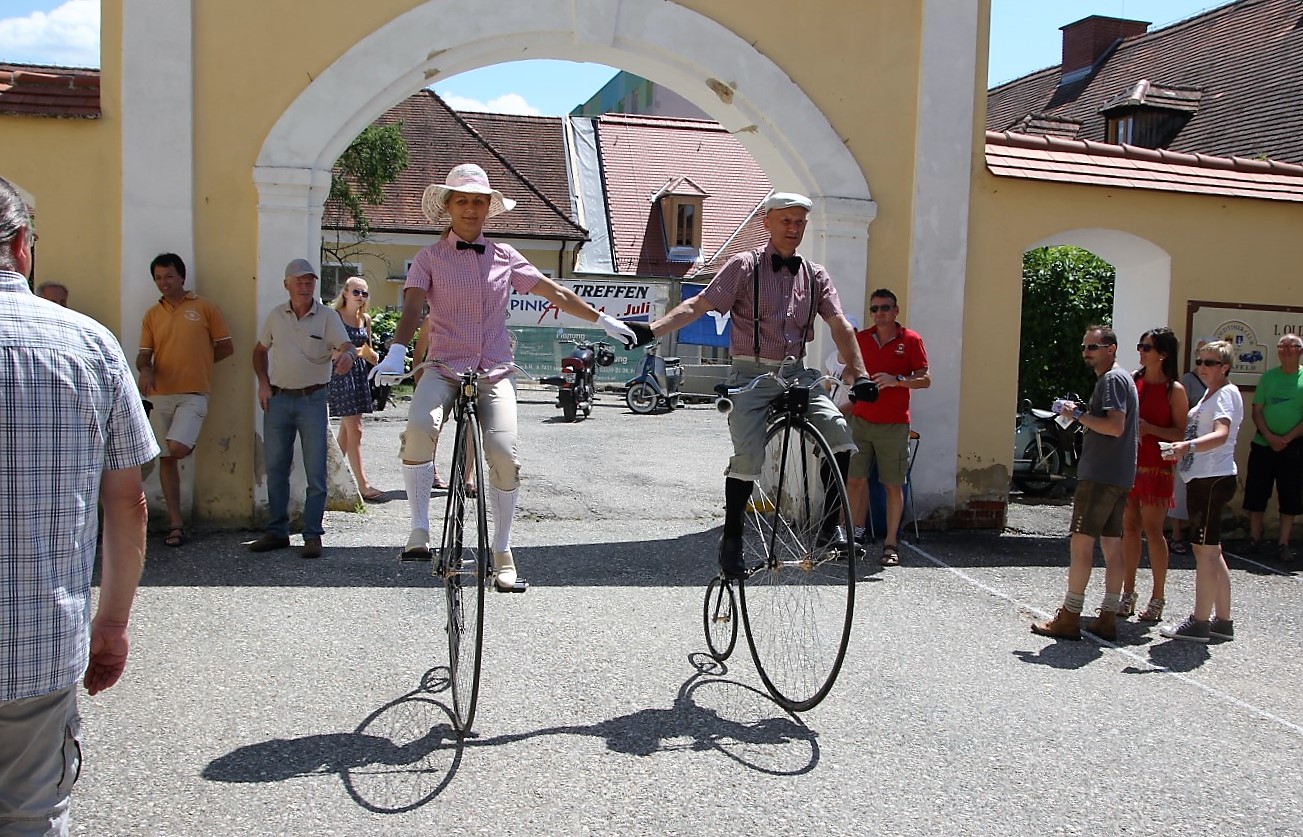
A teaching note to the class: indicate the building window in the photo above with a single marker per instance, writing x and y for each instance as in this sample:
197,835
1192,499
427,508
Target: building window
685,225
1121,130
333,277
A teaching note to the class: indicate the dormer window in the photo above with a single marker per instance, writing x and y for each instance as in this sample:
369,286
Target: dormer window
681,202
1149,115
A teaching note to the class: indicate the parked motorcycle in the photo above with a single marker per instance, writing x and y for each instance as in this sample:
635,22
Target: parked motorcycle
576,392
656,385
1043,448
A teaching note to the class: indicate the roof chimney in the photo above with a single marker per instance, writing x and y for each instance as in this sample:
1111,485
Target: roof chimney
1089,39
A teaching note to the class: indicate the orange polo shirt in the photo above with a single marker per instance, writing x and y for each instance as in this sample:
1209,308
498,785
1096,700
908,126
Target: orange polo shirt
181,338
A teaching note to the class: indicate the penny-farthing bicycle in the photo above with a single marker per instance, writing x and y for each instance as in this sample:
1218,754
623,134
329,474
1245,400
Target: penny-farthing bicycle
798,596
465,558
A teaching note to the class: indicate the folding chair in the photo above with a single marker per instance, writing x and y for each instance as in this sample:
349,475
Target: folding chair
909,471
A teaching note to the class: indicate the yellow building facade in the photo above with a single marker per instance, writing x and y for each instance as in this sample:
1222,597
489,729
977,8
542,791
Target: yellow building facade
221,123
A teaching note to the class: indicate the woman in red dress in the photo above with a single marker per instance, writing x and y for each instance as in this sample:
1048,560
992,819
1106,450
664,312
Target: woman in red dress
1163,406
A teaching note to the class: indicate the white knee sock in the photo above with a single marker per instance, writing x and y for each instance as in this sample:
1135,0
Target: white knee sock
504,512
419,481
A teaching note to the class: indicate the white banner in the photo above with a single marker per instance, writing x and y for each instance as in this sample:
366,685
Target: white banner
633,300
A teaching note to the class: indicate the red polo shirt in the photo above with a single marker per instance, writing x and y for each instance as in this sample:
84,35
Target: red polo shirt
901,355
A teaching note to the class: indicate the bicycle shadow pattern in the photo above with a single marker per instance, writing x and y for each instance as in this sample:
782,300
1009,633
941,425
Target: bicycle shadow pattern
406,753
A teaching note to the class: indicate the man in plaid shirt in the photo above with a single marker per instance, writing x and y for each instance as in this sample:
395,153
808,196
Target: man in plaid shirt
73,435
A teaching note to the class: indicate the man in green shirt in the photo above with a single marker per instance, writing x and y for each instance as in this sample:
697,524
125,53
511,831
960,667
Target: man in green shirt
1276,455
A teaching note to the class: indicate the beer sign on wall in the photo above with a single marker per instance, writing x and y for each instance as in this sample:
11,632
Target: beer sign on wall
643,301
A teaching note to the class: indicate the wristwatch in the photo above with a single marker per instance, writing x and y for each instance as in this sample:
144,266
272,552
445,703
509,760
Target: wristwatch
900,379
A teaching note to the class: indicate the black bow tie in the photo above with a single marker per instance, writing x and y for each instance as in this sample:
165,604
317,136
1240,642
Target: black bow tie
466,245
793,263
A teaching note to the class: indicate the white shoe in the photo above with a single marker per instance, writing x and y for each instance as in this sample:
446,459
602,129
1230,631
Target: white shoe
418,546
506,566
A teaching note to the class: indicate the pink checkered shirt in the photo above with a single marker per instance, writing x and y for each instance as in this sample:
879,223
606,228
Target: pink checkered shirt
468,295
785,321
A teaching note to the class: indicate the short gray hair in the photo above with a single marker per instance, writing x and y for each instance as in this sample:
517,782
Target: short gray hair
13,217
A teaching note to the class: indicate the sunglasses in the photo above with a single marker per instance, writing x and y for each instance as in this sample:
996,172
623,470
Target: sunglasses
1094,347
873,309
1144,347
1207,361
363,294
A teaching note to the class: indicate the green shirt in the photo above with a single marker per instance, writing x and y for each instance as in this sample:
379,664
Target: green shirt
1281,397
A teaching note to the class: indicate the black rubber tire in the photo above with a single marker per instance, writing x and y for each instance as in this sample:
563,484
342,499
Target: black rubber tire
463,564
1040,480
641,398
720,618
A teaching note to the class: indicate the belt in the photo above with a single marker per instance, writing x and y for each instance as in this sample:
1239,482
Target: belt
295,393
764,361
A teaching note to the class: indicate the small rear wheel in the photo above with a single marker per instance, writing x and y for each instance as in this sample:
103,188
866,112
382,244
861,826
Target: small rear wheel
641,398
720,618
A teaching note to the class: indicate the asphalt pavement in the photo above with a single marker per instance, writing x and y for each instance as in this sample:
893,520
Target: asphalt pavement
267,694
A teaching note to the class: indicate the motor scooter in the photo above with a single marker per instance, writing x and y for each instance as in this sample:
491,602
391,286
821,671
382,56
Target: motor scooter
1043,447
656,385
575,383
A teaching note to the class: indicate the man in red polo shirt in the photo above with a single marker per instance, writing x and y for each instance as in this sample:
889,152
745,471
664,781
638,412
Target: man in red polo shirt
897,362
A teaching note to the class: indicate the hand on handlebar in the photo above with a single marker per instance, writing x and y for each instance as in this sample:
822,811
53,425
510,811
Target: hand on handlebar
393,368
864,390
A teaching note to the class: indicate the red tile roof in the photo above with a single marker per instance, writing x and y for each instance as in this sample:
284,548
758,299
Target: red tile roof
642,154
1244,58
40,90
524,157
1127,167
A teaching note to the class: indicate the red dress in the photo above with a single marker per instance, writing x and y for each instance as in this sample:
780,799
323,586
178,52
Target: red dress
1153,485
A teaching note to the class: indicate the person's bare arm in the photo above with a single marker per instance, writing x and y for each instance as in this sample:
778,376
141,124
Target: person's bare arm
684,313
145,366
413,308
125,515
222,349
261,369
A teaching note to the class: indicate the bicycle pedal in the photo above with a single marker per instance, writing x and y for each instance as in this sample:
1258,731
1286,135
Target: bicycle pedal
520,586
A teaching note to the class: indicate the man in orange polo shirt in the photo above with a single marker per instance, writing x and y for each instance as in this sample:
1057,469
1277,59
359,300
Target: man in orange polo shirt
897,362
180,339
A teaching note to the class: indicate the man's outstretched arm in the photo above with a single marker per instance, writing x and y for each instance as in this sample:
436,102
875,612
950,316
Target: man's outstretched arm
125,516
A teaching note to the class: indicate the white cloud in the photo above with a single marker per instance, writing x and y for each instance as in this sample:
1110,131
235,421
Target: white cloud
68,35
506,103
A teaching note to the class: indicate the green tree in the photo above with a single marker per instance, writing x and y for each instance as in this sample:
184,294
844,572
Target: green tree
1064,289
370,163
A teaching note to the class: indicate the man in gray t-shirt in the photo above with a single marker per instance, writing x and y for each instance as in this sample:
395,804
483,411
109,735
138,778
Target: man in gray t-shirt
1104,476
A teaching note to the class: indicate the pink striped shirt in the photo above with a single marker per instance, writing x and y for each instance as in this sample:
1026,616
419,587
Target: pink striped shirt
786,324
468,294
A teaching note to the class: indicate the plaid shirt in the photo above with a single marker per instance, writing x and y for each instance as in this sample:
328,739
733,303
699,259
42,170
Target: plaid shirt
69,410
786,324
468,295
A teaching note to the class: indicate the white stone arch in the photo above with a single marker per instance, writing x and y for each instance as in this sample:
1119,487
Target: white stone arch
1143,287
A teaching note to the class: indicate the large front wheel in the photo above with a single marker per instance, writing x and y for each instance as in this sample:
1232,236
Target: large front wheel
463,564
798,598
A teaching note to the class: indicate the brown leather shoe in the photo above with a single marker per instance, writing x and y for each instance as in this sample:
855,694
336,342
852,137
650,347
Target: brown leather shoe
311,546
1064,625
1104,626
269,541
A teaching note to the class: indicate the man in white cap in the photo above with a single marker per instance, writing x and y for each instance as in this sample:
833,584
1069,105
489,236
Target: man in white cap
773,296
468,280
301,342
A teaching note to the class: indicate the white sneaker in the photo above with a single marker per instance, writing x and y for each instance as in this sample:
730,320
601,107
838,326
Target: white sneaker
418,546
506,566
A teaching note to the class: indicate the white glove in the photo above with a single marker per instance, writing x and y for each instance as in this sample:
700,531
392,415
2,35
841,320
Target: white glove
617,330
393,368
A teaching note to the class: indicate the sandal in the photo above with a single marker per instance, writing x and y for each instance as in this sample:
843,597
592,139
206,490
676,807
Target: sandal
175,537
1127,606
439,482
1153,612
890,557
372,494
1179,546
471,490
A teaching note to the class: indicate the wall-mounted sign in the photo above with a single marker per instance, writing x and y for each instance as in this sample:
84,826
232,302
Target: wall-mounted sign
643,301
1252,331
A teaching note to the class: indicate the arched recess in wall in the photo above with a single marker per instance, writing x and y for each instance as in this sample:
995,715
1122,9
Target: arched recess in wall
1143,288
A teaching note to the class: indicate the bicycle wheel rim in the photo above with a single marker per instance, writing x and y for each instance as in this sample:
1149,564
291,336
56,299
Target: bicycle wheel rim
719,619
798,599
464,561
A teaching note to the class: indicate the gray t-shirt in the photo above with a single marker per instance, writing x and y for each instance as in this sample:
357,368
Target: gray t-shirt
1112,459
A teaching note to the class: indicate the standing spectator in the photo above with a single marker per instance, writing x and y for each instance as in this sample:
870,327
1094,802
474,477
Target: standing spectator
468,280
350,393
180,339
1207,464
1163,407
1194,390
67,395
773,296
1276,455
897,362
1105,473
293,362
54,292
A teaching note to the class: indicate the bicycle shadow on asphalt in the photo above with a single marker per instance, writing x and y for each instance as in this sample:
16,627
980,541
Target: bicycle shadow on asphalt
407,752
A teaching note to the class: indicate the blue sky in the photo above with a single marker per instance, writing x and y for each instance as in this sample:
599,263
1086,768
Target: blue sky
1024,37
